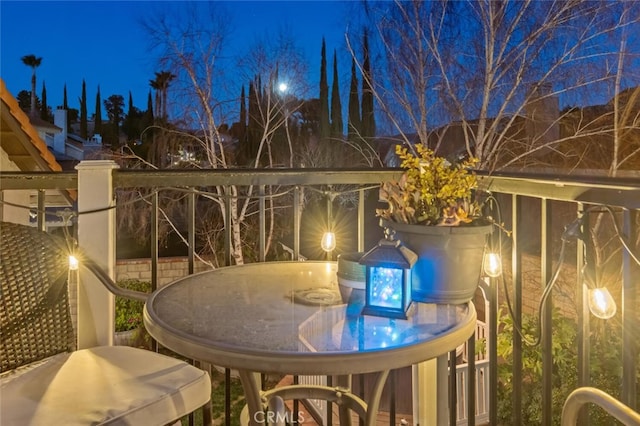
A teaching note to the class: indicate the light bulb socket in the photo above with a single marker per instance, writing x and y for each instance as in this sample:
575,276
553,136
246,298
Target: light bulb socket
573,231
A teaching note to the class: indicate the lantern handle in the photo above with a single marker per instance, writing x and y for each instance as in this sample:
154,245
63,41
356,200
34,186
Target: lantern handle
389,233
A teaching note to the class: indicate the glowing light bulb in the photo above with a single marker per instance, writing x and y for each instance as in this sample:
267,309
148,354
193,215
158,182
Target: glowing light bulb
601,304
328,242
492,265
73,263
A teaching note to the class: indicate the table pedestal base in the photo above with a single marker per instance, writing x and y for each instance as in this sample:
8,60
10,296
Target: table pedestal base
267,407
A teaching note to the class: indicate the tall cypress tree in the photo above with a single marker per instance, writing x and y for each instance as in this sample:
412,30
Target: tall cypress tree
253,127
260,96
44,109
131,121
354,106
65,105
150,105
243,117
324,95
149,112
368,120
337,127
146,134
83,112
97,129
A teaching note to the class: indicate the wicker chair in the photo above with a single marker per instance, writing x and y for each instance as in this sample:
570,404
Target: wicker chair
45,381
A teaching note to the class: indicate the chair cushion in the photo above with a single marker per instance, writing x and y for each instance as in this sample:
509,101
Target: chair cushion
114,385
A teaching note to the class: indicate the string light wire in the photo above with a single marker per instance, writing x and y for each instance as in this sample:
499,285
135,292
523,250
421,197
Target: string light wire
572,230
207,194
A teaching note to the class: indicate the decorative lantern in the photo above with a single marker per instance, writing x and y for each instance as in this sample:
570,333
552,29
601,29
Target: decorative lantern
388,278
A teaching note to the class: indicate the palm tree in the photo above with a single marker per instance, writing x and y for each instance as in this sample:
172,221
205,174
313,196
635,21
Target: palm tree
33,62
161,84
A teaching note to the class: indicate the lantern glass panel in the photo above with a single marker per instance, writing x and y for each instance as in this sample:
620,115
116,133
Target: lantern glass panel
386,285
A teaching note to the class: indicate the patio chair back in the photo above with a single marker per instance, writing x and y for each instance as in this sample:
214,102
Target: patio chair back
46,380
34,313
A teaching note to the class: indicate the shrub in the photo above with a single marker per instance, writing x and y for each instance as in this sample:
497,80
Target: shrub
605,367
564,368
129,312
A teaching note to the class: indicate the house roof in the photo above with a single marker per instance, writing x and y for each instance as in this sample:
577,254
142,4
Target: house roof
20,140
24,146
44,125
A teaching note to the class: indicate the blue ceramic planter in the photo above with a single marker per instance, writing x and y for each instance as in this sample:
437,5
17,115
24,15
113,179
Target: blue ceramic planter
449,260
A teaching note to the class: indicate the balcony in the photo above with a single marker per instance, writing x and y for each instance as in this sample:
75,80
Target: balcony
514,381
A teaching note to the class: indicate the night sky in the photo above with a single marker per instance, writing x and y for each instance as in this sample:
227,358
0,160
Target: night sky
104,43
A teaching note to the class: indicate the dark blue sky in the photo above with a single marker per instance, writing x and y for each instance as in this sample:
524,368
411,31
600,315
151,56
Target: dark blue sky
103,43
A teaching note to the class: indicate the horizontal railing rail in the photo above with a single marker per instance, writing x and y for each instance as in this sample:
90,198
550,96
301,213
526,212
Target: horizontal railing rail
621,191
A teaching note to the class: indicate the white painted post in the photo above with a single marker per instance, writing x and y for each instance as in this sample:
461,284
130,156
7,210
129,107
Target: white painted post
425,393
96,237
442,384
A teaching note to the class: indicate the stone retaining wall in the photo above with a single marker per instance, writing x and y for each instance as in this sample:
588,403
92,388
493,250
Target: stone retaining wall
169,269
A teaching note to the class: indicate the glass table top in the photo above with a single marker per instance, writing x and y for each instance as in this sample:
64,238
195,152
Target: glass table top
281,310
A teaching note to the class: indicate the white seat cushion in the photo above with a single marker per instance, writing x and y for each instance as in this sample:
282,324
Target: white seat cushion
115,385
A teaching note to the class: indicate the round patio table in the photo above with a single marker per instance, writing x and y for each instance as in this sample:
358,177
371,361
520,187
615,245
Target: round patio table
288,318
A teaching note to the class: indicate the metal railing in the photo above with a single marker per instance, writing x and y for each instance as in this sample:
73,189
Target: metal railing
516,191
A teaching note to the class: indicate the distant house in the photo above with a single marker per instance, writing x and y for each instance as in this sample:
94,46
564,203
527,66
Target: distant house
23,149
68,148
46,130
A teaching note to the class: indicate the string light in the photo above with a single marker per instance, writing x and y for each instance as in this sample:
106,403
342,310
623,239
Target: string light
601,303
599,299
328,242
73,263
492,265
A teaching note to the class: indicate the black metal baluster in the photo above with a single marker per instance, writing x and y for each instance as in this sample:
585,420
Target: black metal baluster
584,332
453,389
547,333
629,315
191,230
517,312
471,380
154,252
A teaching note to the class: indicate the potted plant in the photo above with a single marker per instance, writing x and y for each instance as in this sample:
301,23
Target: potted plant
434,210
128,323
